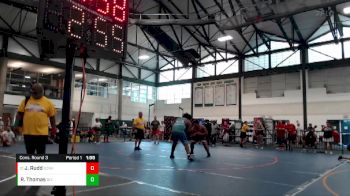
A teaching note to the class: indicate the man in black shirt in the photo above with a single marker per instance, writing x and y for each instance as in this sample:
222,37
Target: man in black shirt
155,130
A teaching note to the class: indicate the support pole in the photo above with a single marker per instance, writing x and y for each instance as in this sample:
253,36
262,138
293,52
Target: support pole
3,72
64,133
240,70
304,60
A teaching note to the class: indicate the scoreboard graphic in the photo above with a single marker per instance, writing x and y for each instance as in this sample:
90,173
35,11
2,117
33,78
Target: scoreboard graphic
57,170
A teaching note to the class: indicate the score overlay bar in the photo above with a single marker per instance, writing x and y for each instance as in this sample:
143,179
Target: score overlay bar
57,170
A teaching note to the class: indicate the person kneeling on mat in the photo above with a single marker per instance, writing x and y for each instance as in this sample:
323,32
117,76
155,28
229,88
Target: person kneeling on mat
199,134
179,133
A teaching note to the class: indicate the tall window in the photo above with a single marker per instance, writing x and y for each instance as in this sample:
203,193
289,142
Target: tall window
346,49
283,59
135,92
227,67
166,76
256,63
174,94
205,70
138,92
183,74
325,53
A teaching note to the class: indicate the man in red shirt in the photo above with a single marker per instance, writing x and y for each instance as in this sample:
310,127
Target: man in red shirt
281,134
292,134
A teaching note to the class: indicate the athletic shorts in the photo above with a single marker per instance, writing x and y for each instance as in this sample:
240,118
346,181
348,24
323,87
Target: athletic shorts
139,135
179,136
243,135
156,132
328,139
198,138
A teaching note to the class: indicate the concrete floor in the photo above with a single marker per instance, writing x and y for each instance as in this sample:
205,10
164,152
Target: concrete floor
230,171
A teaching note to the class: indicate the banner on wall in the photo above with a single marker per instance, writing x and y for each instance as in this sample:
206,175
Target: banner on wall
198,97
209,96
231,96
220,95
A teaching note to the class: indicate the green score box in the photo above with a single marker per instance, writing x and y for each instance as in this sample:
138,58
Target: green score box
92,180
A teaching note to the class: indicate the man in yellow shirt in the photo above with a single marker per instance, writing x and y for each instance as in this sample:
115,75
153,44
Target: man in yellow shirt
139,125
244,130
35,112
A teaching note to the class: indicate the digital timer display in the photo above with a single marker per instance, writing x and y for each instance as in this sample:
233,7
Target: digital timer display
100,25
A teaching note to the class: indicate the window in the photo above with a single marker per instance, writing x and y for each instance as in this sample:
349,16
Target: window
143,94
346,31
208,58
325,53
323,38
183,74
174,94
256,63
283,59
135,92
166,76
261,48
227,67
346,49
138,92
279,45
151,94
127,88
167,66
205,71
112,87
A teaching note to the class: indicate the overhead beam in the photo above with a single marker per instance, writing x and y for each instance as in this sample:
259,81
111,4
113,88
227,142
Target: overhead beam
297,30
280,26
186,28
331,26
217,26
338,24
300,9
262,37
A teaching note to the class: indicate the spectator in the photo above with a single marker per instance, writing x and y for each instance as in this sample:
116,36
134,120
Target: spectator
214,133
97,129
155,130
243,136
35,111
208,127
292,134
108,129
8,137
328,138
310,137
281,135
2,127
161,130
300,133
259,132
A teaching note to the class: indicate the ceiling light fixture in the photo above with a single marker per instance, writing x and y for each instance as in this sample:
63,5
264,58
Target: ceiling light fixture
225,38
143,57
346,10
27,77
